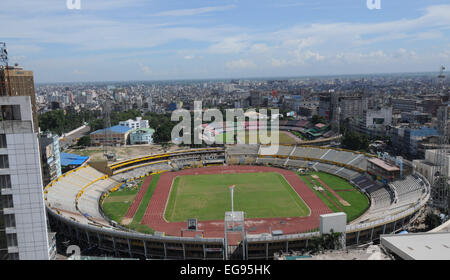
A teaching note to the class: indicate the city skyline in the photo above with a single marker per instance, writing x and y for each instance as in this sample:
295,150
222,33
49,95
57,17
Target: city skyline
152,40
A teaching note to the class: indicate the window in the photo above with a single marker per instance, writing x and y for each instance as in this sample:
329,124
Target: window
4,163
3,245
11,239
3,141
5,182
6,201
11,112
10,220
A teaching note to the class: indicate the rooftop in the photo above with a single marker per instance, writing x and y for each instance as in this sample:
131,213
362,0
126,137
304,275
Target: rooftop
72,159
422,246
116,129
383,164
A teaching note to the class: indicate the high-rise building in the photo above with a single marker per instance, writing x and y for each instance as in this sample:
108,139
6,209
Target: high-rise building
51,160
325,106
23,223
255,99
20,83
404,104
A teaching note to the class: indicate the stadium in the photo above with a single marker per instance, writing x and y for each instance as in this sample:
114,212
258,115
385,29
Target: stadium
145,207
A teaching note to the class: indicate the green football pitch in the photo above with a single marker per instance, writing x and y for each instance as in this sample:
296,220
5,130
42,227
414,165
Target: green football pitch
207,197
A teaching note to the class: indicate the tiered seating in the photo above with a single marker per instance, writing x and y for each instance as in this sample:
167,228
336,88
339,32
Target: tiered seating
365,183
133,173
381,198
331,155
409,189
316,153
284,150
88,202
298,163
62,195
269,160
347,173
242,149
360,161
345,157
329,168
309,152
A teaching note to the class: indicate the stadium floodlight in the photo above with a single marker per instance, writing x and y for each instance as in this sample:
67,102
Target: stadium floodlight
232,203
232,195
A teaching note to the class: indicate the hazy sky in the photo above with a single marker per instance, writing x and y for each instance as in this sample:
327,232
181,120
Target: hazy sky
168,39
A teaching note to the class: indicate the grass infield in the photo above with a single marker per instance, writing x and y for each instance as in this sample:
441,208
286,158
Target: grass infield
117,203
358,201
207,197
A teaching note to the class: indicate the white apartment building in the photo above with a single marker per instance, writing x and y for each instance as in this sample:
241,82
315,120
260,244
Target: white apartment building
428,167
135,124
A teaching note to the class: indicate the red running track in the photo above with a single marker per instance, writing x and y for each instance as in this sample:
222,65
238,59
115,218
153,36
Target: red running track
138,198
154,214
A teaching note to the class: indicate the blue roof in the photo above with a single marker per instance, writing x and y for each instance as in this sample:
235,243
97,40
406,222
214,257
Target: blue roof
72,159
116,129
424,131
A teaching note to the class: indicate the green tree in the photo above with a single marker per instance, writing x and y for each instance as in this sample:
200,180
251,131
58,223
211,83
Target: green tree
315,119
355,141
84,141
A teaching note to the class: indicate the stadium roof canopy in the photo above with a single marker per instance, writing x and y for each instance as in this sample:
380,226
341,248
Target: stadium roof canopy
418,246
72,159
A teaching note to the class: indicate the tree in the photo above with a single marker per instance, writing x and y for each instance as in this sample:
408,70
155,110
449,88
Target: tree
62,121
84,141
162,134
317,119
355,141
327,241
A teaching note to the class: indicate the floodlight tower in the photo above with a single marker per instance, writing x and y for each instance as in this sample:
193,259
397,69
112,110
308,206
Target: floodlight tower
107,137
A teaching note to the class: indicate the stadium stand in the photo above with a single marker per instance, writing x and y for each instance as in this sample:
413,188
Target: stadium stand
72,201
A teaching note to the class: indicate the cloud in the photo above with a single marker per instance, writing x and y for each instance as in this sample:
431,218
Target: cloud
279,62
309,55
229,45
240,64
373,57
48,36
193,12
145,69
259,48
